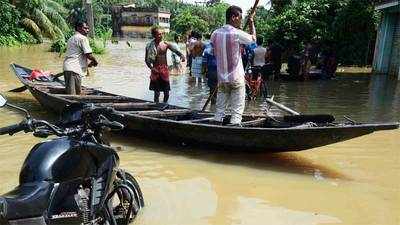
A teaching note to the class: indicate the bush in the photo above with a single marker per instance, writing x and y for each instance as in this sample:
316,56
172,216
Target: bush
98,45
59,45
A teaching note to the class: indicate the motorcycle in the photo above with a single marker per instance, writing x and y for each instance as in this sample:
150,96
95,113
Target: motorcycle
73,178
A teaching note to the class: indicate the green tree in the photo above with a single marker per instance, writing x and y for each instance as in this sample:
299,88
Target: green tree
186,21
347,26
43,17
11,32
279,5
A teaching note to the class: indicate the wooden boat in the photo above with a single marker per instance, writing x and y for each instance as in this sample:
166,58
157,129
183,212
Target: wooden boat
263,133
313,75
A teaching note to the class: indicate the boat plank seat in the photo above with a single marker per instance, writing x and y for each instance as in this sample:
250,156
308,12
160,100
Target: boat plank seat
164,113
129,106
199,120
92,97
252,123
59,91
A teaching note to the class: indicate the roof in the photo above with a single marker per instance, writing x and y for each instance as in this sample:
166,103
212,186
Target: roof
140,9
385,4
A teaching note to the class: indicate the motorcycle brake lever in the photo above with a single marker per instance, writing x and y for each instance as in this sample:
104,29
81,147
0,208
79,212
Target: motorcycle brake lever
41,133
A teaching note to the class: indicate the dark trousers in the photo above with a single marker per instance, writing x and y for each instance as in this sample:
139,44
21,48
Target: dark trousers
72,83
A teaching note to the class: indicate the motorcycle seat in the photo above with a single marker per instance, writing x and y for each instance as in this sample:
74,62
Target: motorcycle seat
25,201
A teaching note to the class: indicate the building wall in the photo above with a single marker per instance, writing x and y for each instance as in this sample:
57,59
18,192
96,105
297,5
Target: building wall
387,47
136,22
394,65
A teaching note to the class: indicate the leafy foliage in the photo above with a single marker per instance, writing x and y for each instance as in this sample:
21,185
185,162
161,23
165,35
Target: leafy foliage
186,21
348,26
47,15
11,32
187,17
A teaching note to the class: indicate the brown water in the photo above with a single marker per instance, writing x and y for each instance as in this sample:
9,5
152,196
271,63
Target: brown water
353,182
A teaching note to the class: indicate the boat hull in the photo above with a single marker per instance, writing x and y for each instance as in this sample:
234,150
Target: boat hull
187,126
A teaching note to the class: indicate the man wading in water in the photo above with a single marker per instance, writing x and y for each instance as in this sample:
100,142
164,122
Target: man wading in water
231,86
76,59
156,60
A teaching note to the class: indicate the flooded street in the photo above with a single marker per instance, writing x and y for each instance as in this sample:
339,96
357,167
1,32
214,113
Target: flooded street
354,182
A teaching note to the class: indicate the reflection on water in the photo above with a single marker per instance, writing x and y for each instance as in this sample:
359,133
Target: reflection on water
249,210
353,182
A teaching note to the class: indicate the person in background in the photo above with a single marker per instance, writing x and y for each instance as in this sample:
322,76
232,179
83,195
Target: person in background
274,57
258,61
305,65
76,59
189,47
231,84
329,63
294,62
176,67
156,60
197,59
210,70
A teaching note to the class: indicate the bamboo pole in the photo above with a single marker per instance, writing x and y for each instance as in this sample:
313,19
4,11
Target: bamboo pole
253,10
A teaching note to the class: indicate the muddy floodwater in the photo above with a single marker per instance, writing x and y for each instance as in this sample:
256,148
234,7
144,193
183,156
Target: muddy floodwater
353,182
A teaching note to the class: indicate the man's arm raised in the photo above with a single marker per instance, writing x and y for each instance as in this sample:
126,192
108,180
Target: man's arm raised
174,49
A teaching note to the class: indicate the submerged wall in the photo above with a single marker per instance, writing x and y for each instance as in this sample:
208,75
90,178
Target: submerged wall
387,47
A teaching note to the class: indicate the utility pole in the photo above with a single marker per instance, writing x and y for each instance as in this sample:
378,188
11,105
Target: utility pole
87,5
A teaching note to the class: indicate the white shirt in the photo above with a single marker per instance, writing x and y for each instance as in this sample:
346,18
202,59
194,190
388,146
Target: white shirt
75,59
259,56
226,41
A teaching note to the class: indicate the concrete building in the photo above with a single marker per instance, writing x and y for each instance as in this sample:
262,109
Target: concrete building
387,47
130,21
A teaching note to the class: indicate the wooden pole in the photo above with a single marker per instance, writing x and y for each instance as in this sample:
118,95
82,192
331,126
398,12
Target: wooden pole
253,10
209,98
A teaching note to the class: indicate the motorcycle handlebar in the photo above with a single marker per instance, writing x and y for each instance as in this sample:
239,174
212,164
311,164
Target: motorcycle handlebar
30,124
12,129
113,125
52,127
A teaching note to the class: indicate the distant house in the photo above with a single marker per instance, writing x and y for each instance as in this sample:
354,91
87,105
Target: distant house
387,47
130,21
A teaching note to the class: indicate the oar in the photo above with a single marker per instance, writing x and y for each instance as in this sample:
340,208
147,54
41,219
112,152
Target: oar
253,10
18,89
24,88
209,98
280,106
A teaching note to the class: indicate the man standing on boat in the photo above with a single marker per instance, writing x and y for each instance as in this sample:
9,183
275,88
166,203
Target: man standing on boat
76,59
231,84
156,60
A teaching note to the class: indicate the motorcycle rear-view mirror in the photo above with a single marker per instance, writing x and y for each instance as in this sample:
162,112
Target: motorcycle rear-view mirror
3,100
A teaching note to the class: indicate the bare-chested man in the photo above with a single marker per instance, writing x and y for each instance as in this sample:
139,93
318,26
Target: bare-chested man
156,60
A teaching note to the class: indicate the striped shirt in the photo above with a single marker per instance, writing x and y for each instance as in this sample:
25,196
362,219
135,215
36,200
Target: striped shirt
226,41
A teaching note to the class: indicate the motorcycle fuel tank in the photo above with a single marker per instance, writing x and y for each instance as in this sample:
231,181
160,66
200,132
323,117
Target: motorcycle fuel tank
62,159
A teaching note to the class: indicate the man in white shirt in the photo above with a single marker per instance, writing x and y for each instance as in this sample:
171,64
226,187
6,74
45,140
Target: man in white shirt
259,53
259,59
231,85
76,59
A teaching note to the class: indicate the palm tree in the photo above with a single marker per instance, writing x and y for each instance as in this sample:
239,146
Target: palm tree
43,18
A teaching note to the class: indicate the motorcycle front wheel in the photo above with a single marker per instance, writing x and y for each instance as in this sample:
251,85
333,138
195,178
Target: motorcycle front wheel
126,198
